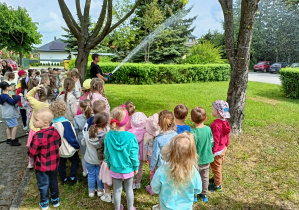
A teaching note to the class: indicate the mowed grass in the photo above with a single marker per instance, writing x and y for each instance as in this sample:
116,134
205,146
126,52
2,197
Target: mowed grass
261,167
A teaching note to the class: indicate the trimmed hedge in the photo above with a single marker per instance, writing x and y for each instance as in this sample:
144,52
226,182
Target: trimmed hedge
290,82
140,74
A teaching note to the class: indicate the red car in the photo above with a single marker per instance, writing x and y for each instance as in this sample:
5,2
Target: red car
13,64
263,66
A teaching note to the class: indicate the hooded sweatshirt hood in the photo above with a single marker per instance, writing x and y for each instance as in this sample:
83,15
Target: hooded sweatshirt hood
120,139
220,129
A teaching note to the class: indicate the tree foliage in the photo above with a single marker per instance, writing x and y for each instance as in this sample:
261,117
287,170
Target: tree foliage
204,53
17,31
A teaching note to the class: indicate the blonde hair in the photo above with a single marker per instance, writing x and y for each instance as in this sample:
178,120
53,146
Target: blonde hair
98,106
85,104
47,114
97,84
69,85
130,107
118,113
181,156
100,121
166,120
58,108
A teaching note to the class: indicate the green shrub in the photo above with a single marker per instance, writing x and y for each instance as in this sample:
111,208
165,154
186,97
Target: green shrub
290,82
133,73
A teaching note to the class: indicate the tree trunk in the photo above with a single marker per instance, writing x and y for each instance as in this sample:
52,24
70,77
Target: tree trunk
239,59
21,59
81,61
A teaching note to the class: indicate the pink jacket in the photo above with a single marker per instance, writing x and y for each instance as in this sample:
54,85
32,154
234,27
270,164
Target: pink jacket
139,133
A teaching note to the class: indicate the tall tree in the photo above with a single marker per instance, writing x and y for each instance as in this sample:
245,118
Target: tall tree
104,26
17,31
239,58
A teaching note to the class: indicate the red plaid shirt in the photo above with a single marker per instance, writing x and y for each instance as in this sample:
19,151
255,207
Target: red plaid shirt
44,149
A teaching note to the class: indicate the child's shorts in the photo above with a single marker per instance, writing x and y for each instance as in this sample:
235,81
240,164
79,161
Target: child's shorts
11,123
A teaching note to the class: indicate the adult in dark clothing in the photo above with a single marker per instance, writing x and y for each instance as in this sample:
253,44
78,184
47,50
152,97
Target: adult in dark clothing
95,69
5,67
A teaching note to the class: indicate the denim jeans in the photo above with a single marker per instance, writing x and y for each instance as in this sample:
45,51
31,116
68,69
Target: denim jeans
93,177
46,180
75,160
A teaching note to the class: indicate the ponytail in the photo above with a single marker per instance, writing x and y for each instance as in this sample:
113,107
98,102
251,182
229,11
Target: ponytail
69,85
166,120
92,131
85,104
100,121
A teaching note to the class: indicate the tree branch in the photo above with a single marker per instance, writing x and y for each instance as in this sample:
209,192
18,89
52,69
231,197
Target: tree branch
125,17
86,18
69,19
100,19
79,13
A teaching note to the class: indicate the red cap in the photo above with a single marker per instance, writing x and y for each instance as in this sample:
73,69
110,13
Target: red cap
21,72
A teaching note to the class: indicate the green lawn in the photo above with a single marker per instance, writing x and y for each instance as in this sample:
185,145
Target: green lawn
260,170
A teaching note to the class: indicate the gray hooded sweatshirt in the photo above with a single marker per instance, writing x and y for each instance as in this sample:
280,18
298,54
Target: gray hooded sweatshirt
91,155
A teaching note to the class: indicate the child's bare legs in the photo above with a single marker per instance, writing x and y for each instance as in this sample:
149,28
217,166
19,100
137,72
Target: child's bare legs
8,133
107,189
14,132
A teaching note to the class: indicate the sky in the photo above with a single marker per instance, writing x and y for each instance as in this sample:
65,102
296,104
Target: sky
48,15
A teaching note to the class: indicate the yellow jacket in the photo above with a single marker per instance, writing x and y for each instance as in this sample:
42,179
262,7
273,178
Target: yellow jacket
36,104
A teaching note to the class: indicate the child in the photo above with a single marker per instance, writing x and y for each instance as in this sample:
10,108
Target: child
69,144
44,149
21,74
181,113
23,87
96,133
131,109
10,113
77,91
10,77
167,125
138,128
220,129
79,123
152,130
53,85
204,144
177,181
44,79
45,96
86,91
69,99
97,92
121,153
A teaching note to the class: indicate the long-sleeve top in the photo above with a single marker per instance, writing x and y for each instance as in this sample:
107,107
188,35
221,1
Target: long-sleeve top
9,110
220,129
36,104
44,149
98,96
71,106
172,196
161,140
139,133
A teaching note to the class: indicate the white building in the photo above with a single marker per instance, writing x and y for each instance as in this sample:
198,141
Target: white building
53,52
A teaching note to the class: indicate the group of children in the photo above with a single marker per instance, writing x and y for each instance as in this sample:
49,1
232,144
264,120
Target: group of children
114,145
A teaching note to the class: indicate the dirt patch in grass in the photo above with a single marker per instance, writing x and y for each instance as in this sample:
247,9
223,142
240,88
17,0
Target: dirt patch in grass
265,100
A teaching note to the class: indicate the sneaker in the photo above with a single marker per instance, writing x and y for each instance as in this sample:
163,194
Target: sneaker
8,141
85,174
15,142
27,132
65,181
195,198
149,190
137,186
25,128
156,207
55,202
100,193
211,181
214,188
44,205
73,181
30,165
91,194
106,198
204,198
134,186
121,207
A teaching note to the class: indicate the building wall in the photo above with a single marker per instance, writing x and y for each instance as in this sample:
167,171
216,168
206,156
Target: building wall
52,57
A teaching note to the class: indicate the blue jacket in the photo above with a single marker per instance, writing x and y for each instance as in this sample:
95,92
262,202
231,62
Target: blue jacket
121,151
160,141
9,110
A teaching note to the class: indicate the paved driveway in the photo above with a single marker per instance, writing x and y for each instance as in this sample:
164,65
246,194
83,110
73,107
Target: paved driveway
264,77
